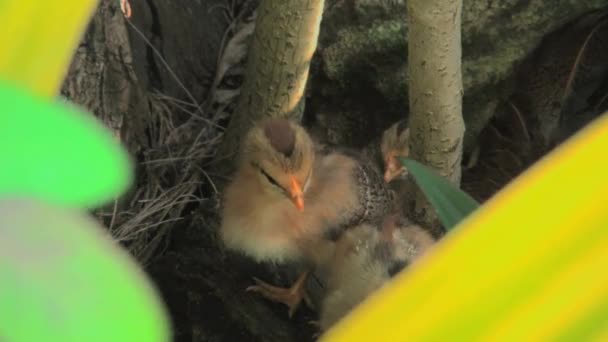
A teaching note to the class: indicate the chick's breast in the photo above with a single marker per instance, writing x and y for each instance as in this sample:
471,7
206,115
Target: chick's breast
262,227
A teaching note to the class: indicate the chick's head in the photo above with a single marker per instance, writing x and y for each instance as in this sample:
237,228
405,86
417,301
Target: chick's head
280,154
395,143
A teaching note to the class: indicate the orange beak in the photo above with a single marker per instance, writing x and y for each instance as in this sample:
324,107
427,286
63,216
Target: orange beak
297,197
393,169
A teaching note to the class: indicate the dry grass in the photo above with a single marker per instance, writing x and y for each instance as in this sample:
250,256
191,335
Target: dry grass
169,176
171,170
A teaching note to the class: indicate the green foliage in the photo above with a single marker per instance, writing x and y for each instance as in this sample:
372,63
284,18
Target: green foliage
54,152
451,203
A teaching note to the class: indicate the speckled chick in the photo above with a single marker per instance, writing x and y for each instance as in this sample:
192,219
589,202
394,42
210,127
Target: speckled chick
288,197
365,259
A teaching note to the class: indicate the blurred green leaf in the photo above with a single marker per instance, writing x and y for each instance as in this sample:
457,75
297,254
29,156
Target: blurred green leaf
451,203
52,151
62,278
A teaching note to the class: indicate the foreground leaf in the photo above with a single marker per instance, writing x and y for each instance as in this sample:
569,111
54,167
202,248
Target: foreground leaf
52,151
451,203
530,264
63,279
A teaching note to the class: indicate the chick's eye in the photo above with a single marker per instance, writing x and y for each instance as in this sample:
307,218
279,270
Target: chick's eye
270,179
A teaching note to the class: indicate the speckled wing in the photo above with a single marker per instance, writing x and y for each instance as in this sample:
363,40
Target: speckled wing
374,196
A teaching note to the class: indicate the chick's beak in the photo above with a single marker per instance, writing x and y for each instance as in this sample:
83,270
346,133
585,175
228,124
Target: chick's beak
297,196
393,169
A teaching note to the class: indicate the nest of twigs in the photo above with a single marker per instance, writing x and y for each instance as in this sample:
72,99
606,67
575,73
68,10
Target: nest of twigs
169,177
182,138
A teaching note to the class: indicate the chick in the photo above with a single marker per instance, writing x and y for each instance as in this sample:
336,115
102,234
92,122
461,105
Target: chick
395,143
364,260
287,198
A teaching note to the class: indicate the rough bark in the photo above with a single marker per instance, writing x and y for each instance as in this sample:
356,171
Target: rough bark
102,80
283,44
435,92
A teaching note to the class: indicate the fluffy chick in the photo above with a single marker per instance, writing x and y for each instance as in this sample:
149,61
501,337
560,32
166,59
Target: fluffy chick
364,260
287,198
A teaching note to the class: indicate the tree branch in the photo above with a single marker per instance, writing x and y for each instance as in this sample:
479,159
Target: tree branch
435,92
283,44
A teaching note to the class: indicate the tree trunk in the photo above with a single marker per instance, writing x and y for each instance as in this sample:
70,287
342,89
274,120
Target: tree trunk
435,92
283,44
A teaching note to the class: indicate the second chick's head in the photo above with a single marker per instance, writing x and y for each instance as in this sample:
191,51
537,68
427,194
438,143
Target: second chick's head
281,153
395,143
